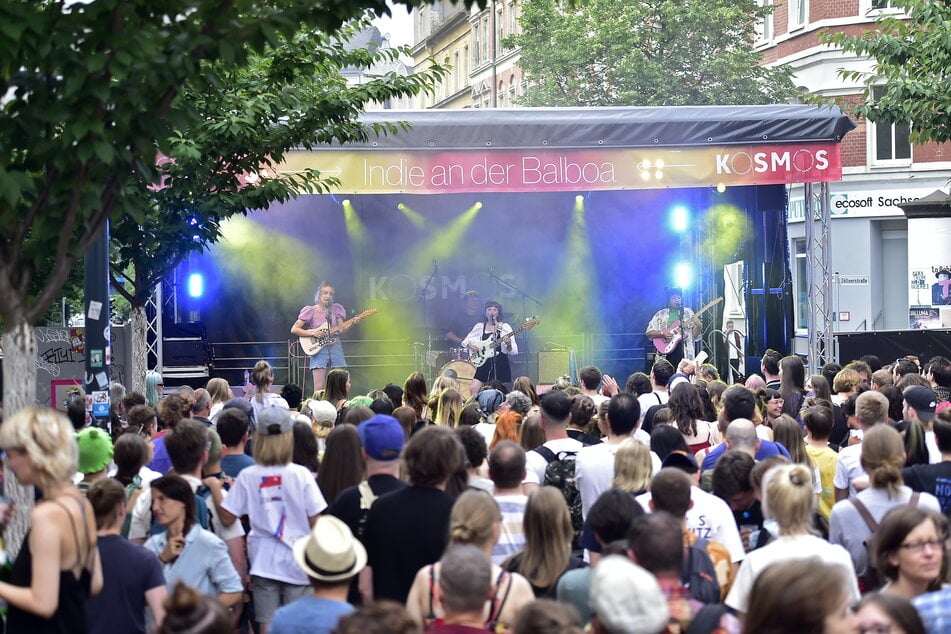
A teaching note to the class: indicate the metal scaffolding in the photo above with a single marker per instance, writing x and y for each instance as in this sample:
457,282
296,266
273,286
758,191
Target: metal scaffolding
819,275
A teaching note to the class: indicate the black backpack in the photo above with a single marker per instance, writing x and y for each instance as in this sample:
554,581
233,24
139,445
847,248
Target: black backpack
560,473
698,575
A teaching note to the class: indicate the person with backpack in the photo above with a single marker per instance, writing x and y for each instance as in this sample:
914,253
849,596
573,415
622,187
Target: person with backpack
553,463
282,502
188,552
855,520
655,543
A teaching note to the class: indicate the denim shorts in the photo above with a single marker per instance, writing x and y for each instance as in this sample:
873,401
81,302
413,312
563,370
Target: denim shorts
270,594
332,354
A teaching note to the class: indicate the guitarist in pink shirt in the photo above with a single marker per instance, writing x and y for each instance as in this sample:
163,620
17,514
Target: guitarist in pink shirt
316,320
674,327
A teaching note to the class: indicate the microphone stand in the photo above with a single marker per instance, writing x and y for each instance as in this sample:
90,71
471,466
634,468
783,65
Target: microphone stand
524,296
421,300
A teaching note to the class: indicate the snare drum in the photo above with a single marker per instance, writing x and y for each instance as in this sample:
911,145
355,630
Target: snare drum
459,354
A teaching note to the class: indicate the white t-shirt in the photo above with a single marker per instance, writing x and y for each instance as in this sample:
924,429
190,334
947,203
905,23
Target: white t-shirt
934,454
487,430
785,548
709,518
278,500
594,472
535,463
848,468
647,401
141,525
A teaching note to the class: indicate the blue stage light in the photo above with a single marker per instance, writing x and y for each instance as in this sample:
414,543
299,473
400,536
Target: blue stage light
683,274
196,285
679,219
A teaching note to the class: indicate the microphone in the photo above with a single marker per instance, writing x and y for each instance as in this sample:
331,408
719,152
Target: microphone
435,265
491,271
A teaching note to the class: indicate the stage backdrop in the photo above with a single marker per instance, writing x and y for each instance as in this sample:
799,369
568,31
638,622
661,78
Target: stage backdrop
583,263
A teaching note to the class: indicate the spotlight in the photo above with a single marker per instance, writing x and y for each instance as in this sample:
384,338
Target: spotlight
478,205
721,187
683,274
196,285
679,219
658,174
579,199
346,202
646,175
659,164
401,207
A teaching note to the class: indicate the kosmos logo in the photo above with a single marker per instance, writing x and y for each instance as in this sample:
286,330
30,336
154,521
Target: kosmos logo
801,161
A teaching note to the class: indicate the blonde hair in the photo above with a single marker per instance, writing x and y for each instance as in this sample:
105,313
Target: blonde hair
472,518
273,450
789,498
448,407
261,378
632,467
219,390
46,437
548,534
883,456
441,383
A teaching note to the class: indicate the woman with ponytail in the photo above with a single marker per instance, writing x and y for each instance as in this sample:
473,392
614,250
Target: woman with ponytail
187,611
475,520
789,498
853,521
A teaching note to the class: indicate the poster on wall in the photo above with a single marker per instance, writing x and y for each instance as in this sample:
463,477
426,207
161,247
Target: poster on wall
930,290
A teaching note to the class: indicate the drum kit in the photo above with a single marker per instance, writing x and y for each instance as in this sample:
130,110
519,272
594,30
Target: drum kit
453,362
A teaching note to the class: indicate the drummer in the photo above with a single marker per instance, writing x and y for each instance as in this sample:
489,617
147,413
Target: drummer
461,324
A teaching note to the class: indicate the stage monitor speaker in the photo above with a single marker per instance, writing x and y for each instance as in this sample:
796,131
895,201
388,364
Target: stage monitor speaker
552,364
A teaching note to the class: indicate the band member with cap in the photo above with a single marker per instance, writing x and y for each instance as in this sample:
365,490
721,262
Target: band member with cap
674,323
313,320
480,338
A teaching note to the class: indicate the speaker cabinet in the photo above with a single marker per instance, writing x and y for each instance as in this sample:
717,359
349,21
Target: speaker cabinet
553,364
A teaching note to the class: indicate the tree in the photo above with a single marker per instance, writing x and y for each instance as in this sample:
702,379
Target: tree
912,68
92,93
292,96
645,53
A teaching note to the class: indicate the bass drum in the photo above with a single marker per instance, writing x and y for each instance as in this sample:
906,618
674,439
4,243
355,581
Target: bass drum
462,371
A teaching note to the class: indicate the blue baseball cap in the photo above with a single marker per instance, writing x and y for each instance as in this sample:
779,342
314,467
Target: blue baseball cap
382,437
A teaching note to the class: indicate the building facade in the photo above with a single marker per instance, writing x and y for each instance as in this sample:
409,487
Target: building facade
484,69
877,273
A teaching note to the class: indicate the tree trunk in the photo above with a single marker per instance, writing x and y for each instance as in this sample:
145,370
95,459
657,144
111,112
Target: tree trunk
19,391
140,349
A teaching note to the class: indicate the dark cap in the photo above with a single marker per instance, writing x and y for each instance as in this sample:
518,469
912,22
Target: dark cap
923,400
683,461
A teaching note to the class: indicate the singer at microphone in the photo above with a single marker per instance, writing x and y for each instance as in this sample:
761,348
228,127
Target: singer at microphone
490,343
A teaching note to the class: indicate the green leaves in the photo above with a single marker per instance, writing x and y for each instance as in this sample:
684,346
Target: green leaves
912,72
645,53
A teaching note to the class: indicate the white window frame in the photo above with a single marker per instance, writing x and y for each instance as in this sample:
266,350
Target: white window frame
800,261
872,129
798,14
764,26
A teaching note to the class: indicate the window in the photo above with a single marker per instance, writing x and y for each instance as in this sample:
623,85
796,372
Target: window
764,25
797,13
889,140
512,92
513,20
465,64
486,34
476,45
499,30
879,5
802,288
456,71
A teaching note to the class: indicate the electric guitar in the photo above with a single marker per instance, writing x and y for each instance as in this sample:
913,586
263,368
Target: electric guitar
490,347
328,336
666,347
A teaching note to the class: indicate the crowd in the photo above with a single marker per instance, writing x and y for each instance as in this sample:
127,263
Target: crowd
673,503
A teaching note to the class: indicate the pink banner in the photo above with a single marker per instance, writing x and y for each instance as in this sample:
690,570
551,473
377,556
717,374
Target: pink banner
460,171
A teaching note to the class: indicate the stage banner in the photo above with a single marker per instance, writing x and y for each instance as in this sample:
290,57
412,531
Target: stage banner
534,170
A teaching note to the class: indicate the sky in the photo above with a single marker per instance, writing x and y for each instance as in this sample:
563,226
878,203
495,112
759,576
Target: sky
399,27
